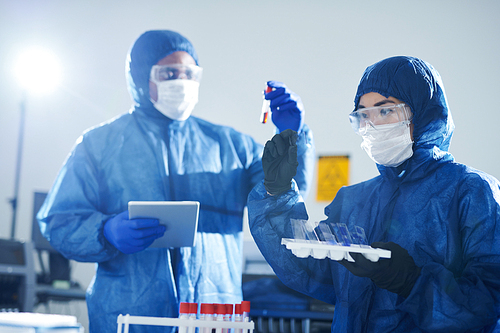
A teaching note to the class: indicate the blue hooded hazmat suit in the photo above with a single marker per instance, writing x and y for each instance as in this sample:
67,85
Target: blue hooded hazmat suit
143,155
446,214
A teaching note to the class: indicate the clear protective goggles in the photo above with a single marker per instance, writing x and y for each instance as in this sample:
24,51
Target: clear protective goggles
161,73
379,115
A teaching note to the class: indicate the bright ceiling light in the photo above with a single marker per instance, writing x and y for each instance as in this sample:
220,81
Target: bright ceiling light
38,70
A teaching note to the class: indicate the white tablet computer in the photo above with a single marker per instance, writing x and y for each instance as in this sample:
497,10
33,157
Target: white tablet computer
180,218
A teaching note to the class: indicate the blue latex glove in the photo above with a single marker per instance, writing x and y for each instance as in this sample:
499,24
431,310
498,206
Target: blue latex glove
286,107
130,236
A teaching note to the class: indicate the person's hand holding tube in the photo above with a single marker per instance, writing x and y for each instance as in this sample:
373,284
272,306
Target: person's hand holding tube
397,274
279,162
286,107
130,236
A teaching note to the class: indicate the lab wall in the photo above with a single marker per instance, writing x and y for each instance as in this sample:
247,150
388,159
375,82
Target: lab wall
318,48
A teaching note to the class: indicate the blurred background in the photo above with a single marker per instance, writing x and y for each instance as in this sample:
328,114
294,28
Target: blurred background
318,48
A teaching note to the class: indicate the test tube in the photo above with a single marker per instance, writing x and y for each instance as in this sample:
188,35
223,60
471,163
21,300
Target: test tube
193,310
183,314
220,310
238,317
206,313
245,308
227,315
266,107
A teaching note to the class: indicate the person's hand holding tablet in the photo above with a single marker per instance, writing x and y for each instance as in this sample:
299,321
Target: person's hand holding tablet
131,236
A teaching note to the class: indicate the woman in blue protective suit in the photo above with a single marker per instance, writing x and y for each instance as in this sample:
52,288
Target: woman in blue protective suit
439,218
159,152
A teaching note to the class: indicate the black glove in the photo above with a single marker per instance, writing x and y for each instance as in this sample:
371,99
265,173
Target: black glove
279,162
397,274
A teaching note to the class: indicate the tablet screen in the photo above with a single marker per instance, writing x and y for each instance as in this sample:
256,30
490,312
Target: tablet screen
180,218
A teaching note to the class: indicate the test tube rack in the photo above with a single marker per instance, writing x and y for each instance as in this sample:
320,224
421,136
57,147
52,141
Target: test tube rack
126,320
321,250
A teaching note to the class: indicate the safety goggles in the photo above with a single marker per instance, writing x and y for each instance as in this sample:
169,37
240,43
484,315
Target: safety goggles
161,73
379,115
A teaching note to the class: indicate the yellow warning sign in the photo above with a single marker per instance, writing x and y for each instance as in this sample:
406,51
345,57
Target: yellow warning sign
333,173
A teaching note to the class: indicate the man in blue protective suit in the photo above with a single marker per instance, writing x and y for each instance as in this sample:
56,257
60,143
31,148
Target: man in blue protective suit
159,152
440,219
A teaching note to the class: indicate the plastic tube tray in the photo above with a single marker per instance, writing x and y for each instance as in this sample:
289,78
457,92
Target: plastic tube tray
321,250
127,320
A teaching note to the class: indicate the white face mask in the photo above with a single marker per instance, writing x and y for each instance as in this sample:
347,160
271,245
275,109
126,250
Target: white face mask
176,98
389,144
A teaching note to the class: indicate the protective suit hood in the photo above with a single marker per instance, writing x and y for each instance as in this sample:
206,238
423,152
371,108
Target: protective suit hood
419,85
146,51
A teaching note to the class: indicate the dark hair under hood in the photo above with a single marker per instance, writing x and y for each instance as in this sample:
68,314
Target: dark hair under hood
146,51
419,85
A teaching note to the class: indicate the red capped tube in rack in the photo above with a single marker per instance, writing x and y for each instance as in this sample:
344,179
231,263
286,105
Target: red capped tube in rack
229,311
193,311
206,313
245,308
238,317
266,107
184,310
227,315
183,314
238,312
220,311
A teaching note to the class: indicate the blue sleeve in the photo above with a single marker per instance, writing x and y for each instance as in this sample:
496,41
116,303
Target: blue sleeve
441,300
70,218
269,220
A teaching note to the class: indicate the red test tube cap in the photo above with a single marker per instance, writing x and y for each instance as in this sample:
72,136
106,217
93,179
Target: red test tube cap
220,309
184,307
193,307
229,309
245,306
237,309
207,308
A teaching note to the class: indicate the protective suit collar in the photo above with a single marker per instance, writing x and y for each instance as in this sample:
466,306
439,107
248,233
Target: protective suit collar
160,123
419,85
146,51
